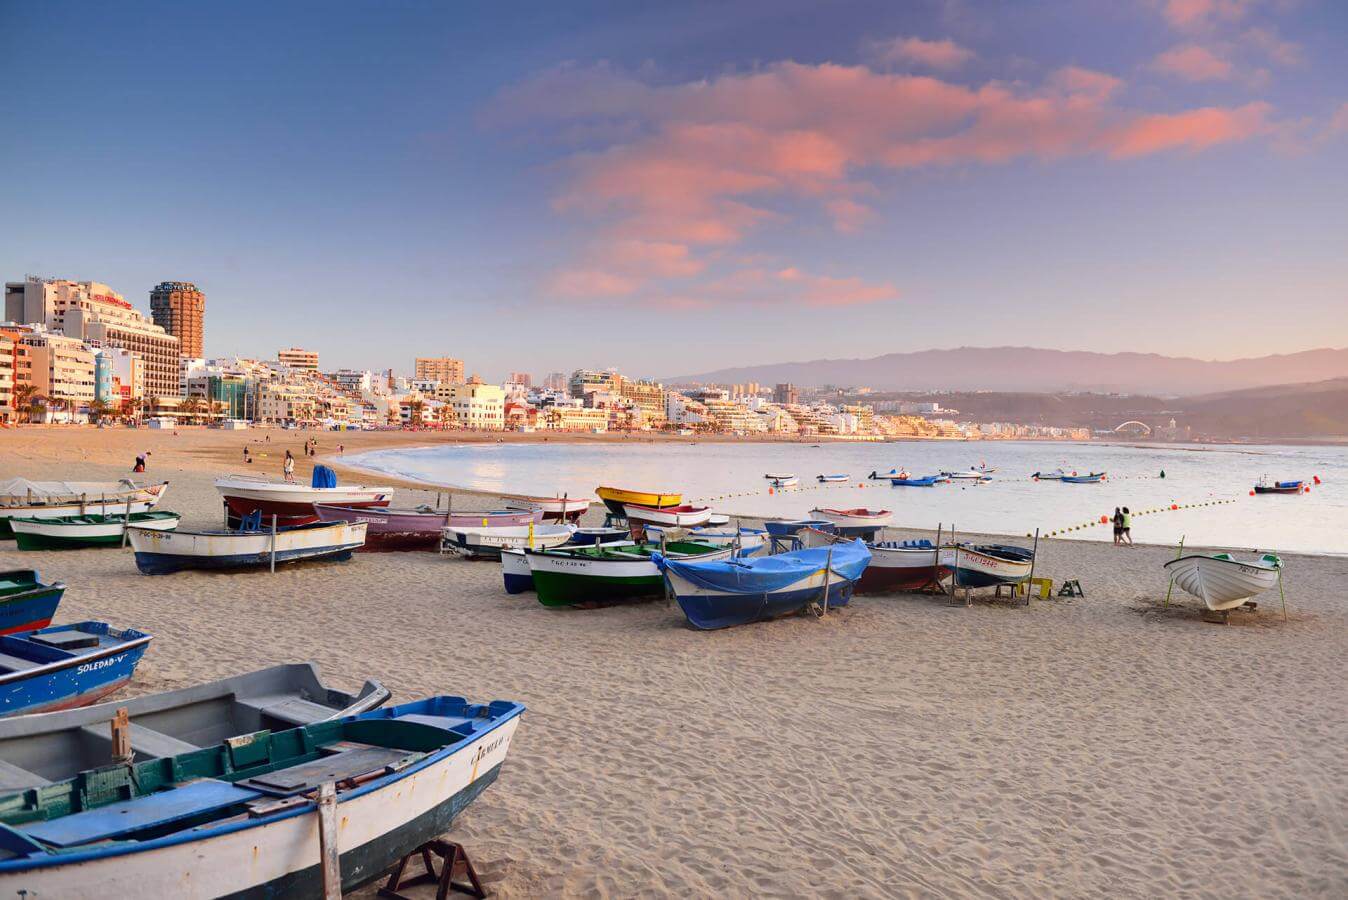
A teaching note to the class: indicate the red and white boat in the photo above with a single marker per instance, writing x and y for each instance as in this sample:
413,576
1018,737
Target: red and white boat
685,516
292,503
894,565
860,517
554,509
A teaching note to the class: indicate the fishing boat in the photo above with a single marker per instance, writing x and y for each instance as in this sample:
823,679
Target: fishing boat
892,473
242,817
487,543
603,534
894,566
984,468
65,666
38,750
555,509
746,541
1221,581
779,476
26,602
790,527
857,520
1055,475
922,481
721,593
1279,487
685,516
829,479
616,498
420,528
164,552
24,499
790,481
970,475
292,503
93,530
1092,478
518,577
601,574
987,565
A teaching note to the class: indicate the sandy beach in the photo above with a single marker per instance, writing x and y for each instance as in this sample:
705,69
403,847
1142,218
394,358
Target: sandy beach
903,746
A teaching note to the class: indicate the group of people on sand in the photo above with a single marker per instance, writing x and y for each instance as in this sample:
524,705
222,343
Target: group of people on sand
1123,526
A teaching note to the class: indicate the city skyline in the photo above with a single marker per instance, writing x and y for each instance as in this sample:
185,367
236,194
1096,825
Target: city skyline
668,191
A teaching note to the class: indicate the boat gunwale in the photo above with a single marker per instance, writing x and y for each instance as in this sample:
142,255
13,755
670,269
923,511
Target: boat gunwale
78,659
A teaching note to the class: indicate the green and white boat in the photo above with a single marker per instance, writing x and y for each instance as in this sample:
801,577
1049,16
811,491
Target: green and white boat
75,532
600,575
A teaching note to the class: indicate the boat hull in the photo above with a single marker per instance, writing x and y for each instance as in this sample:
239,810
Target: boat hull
278,857
709,610
487,543
515,572
566,580
44,535
165,552
142,500
901,569
616,498
1221,584
293,504
555,509
79,680
974,569
670,517
30,609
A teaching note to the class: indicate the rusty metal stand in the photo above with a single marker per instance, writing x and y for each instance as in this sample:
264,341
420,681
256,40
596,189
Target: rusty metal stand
455,862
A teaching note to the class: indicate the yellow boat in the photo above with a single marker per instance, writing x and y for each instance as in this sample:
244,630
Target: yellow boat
614,498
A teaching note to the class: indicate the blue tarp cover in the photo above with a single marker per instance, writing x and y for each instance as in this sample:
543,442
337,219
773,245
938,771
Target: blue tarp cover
769,573
324,477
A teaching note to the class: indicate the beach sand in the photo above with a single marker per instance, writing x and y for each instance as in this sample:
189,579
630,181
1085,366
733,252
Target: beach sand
903,746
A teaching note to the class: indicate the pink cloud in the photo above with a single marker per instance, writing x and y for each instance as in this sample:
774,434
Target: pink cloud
1200,13
1268,42
943,55
591,283
822,290
1193,63
1194,130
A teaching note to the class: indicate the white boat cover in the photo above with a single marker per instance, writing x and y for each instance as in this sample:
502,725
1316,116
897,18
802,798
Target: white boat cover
23,488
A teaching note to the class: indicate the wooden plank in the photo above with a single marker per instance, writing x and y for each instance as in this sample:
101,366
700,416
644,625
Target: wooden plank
327,842
338,767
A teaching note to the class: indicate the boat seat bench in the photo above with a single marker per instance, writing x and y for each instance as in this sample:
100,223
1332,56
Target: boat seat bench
17,663
14,778
144,741
297,711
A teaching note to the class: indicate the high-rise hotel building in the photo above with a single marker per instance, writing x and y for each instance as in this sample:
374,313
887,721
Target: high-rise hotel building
443,369
93,312
180,309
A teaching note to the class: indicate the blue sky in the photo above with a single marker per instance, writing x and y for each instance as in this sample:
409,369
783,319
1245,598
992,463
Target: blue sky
671,189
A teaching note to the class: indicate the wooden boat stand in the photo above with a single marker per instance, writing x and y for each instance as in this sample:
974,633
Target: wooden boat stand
455,862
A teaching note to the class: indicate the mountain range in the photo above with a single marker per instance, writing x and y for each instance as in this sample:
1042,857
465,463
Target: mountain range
1039,370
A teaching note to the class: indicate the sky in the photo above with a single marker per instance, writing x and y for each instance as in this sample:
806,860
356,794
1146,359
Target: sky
672,188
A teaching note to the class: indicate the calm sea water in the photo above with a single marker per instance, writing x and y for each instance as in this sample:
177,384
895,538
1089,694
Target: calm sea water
729,477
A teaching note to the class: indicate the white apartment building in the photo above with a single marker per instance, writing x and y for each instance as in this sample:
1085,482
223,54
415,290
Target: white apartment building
63,368
479,406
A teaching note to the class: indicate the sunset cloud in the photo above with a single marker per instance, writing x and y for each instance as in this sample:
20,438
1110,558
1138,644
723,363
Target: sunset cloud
943,55
1192,14
1193,63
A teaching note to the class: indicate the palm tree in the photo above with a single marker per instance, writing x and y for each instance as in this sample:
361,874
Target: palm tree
415,407
23,398
97,410
37,404
190,407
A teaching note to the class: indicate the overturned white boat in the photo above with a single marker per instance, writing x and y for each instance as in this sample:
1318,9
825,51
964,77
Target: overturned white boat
1221,581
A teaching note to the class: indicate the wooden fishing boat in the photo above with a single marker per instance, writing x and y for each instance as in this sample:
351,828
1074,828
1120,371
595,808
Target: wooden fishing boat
1055,475
987,565
390,529
38,750
555,509
487,543
242,817
1221,581
164,552
791,527
26,602
859,519
894,566
923,481
24,499
291,503
1092,478
892,473
789,481
582,537
616,498
720,593
65,666
971,475
779,476
746,541
1279,487
686,516
76,532
829,479
602,574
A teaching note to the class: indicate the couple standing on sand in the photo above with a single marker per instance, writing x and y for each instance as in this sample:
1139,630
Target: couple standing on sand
1123,526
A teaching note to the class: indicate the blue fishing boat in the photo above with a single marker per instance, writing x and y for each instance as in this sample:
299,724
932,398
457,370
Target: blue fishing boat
26,602
792,527
242,817
987,565
721,593
1092,478
924,481
66,666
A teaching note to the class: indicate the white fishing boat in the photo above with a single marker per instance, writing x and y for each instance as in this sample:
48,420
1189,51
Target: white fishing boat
686,516
1221,581
554,508
859,518
791,481
73,532
1055,475
163,552
970,475
831,479
777,476
749,540
478,542
986,565
293,503
21,498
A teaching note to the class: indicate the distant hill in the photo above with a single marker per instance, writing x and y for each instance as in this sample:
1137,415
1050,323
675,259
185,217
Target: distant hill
1038,370
1304,411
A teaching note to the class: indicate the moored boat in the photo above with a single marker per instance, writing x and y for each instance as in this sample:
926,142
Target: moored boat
487,543
746,541
65,666
163,552
788,481
721,593
26,602
242,817
987,565
1279,487
685,516
892,473
828,479
778,476
790,527
293,503
616,498
970,475
41,749
856,520
77,532
600,574
1092,478
921,481
555,509
25,499
1055,475
894,566
1221,581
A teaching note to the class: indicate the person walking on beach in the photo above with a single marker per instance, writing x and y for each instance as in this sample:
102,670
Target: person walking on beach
1127,526
288,467
1118,526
